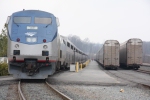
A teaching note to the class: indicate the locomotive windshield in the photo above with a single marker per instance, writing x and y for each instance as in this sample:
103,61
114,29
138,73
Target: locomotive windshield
22,20
38,20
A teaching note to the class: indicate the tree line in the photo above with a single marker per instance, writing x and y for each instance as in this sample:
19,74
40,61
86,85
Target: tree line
3,42
85,45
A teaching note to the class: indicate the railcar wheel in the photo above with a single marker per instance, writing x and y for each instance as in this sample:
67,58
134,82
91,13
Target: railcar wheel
116,68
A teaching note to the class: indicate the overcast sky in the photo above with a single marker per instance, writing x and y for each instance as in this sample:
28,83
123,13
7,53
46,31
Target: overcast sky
98,20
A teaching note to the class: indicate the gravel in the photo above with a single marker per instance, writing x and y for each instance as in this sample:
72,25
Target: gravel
38,91
132,76
9,90
3,92
82,92
129,88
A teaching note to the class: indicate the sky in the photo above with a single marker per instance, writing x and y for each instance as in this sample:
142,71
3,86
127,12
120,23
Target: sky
98,20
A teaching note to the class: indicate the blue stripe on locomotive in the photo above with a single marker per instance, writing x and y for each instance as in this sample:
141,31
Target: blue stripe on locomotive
49,33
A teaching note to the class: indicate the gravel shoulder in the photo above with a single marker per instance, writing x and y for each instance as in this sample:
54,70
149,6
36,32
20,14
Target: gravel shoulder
38,91
9,90
127,89
82,92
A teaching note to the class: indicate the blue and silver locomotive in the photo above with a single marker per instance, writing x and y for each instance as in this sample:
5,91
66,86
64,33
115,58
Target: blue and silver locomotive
33,44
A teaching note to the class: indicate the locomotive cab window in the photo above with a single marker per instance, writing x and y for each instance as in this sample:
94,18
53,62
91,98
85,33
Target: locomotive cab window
39,20
22,20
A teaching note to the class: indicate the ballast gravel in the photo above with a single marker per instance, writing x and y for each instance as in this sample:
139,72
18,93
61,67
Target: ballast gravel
38,91
9,90
82,92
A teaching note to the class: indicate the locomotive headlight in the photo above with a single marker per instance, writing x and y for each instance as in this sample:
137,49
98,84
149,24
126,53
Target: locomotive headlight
17,46
45,46
34,39
29,39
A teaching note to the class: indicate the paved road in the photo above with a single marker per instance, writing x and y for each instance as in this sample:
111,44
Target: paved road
90,74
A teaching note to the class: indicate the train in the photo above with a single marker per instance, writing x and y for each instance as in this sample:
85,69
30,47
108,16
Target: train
35,49
108,55
71,53
131,52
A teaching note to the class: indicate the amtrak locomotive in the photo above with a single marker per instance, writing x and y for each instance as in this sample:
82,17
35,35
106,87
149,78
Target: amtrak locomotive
34,45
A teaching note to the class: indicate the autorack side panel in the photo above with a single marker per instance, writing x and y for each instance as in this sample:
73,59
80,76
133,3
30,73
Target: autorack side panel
107,53
101,56
111,53
134,51
115,53
139,52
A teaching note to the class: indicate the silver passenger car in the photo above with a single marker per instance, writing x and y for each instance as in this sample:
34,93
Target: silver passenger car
131,53
69,53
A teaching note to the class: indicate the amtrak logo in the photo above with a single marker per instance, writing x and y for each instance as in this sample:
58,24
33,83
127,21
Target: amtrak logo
30,33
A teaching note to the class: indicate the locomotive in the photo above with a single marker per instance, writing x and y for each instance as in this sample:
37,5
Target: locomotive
35,49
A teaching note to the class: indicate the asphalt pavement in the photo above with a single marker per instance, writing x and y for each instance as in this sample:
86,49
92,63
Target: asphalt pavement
90,74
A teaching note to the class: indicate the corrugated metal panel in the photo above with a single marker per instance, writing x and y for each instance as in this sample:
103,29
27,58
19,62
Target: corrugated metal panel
111,52
134,51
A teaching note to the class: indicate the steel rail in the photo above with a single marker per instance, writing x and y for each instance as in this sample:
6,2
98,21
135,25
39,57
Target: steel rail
58,92
21,96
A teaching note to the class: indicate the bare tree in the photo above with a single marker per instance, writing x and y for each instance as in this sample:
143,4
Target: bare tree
85,45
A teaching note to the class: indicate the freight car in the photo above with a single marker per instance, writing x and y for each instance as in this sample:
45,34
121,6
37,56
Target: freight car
35,49
131,53
108,55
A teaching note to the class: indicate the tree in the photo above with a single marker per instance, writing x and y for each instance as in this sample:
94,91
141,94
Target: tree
3,42
85,45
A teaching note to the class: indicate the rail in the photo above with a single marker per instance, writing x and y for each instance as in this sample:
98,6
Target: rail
61,94
21,96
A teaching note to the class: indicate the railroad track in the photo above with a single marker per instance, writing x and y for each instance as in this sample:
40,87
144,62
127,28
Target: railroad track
21,96
29,91
129,76
143,71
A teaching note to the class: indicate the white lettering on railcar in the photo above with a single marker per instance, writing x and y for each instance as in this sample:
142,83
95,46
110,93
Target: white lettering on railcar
30,33
32,27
